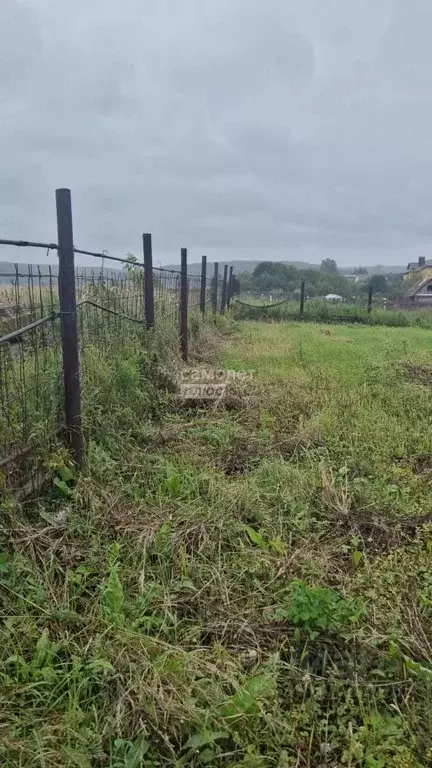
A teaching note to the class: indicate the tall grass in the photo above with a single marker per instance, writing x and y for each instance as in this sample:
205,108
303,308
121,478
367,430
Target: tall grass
322,311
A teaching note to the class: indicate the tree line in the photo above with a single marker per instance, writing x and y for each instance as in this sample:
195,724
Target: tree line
278,278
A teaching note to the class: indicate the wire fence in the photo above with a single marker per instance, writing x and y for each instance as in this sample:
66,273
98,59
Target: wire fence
369,309
30,371
43,316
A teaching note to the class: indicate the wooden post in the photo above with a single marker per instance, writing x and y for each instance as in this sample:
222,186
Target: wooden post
302,297
203,284
369,304
148,281
184,306
224,289
230,286
68,324
215,286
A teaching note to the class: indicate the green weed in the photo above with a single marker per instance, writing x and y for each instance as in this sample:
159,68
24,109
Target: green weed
320,609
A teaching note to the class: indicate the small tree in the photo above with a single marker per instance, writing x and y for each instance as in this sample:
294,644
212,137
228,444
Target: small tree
379,283
329,266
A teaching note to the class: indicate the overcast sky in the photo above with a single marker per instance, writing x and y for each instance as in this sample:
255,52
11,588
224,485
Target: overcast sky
260,129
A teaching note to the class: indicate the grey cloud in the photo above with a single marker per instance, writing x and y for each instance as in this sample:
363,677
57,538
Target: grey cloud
248,129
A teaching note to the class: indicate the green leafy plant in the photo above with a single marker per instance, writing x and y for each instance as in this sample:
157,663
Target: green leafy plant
261,541
64,476
247,698
381,742
39,667
320,609
128,753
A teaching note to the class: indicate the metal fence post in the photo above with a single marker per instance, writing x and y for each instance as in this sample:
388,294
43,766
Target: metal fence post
215,286
148,281
302,297
68,321
224,289
230,286
369,304
184,306
203,284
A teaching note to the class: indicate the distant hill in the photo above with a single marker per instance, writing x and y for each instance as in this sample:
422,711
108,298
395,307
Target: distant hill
239,266
249,266
7,269
7,272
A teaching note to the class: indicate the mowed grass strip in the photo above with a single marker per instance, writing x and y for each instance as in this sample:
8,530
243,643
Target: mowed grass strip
243,587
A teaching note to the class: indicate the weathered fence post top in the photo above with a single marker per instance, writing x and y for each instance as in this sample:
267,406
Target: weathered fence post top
224,289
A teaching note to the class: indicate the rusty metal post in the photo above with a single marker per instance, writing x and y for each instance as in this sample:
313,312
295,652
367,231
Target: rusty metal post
369,304
215,286
302,297
148,281
68,322
184,306
224,289
230,286
203,284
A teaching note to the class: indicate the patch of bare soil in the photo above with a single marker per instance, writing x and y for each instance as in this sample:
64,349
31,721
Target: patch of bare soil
380,534
243,454
422,463
420,374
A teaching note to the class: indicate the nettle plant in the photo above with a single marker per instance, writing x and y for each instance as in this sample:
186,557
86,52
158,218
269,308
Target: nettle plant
320,609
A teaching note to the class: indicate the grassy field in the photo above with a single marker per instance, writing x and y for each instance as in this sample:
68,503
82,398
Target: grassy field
241,586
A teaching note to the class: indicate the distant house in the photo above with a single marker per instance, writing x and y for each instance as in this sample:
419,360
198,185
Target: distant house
355,278
418,275
422,293
421,269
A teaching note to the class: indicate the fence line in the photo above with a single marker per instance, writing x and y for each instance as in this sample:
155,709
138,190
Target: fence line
50,318
303,300
317,309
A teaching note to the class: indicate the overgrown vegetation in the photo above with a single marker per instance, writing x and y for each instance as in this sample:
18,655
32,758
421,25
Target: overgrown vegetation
318,310
279,278
231,587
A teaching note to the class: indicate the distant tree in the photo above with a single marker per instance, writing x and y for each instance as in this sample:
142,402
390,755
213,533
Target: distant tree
334,283
396,287
263,266
245,281
270,276
274,276
329,266
379,283
360,271
320,283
